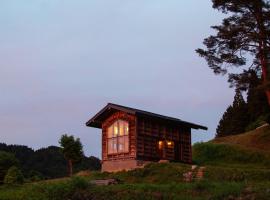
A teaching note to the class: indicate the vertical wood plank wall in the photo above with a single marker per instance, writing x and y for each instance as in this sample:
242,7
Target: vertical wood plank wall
151,131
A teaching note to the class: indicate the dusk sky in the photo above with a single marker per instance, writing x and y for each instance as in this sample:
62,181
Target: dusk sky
61,61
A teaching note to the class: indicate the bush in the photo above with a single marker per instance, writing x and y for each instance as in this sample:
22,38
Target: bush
35,176
202,185
259,122
79,183
64,190
7,160
13,176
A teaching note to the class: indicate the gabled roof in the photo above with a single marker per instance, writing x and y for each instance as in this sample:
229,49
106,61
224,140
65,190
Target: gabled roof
110,108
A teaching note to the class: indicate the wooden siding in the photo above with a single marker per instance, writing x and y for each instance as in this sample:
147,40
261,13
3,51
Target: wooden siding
144,135
185,149
132,137
151,131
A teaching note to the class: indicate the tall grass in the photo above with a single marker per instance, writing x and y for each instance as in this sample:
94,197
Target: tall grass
209,153
138,184
53,190
148,191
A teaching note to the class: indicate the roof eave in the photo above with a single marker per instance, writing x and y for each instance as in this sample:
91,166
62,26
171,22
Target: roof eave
195,126
200,127
93,122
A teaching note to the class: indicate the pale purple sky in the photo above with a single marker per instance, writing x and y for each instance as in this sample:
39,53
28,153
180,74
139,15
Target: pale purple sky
61,61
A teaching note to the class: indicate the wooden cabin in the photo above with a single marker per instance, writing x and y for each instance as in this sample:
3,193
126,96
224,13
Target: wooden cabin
131,137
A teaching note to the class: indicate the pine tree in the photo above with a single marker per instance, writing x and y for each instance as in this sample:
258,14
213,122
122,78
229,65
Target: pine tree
235,119
224,126
256,99
241,39
240,118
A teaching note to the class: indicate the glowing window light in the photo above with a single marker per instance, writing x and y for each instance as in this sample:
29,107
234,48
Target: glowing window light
117,135
115,130
169,143
160,144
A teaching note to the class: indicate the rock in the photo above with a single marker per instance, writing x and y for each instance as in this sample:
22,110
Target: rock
105,182
163,161
193,167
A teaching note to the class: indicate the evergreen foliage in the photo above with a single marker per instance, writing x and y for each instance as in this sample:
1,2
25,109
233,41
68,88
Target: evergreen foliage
72,150
21,152
6,161
235,119
49,161
256,99
45,163
14,176
242,40
244,34
244,116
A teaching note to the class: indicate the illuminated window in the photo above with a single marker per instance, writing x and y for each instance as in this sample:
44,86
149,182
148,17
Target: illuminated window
118,141
160,145
170,144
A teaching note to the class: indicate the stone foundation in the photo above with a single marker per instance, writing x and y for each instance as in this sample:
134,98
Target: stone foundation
119,165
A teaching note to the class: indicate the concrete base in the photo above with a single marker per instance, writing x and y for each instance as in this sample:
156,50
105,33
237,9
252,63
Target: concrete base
119,165
163,161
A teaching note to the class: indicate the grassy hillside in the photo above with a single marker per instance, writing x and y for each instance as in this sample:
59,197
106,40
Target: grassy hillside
251,149
155,181
229,154
237,167
258,139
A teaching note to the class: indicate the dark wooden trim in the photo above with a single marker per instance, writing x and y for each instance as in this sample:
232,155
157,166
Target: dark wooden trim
98,119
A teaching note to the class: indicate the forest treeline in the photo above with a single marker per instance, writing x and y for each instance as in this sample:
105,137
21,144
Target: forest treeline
45,163
245,115
240,47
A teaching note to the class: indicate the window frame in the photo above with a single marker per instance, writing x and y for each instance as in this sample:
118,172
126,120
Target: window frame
114,139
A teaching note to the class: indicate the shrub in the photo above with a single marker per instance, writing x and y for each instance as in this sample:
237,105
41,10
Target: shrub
202,185
7,160
79,183
35,176
259,122
65,189
14,176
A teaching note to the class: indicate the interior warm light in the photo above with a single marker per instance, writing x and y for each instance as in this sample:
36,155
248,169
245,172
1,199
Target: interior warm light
169,143
160,143
115,130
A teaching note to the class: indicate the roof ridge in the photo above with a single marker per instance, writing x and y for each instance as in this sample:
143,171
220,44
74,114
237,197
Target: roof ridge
131,110
144,111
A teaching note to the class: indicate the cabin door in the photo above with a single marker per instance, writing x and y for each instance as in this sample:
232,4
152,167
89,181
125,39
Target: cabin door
161,149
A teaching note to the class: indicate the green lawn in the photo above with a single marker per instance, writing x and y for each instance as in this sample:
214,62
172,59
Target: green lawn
155,181
79,189
231,173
